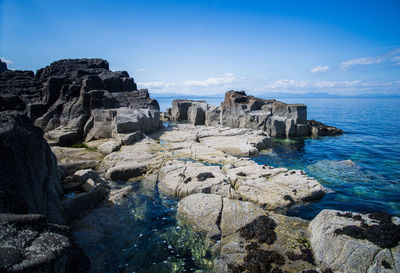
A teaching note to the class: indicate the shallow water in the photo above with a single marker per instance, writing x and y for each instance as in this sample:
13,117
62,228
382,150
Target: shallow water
361,170
141,234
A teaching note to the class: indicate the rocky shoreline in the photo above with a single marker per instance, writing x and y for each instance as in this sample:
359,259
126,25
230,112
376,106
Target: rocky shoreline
75,135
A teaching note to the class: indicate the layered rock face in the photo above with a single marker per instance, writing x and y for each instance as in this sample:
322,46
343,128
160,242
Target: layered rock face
71,99
238,110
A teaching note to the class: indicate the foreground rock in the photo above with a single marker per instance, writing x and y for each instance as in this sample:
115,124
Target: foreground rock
29,244
353,242
248,238
244,180
76,99
30,181
238,110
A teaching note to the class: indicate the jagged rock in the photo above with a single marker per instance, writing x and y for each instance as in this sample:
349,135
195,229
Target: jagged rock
276,118
29,175
109,147
62,97
353,242
319,129
29,244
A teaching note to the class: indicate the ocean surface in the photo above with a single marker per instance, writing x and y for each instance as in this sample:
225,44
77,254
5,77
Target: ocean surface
360,169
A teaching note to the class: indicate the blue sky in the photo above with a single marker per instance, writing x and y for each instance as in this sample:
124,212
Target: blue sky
207,47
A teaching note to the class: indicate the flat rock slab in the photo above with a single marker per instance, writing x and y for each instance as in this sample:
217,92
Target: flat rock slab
346,242
245,180
74,159
233,141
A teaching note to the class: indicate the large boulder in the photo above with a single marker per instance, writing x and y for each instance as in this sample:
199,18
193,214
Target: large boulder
277,118
28,243
29,174
354,242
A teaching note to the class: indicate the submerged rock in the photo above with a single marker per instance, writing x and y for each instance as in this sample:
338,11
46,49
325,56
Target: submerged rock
353,242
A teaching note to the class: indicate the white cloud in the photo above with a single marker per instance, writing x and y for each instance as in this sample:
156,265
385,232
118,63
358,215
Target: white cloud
7,61
361,61
320,69
224,79
157,85
141,70
371,60
209,86
396,60
288,84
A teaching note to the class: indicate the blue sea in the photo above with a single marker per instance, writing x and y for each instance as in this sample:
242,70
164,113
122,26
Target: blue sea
360,169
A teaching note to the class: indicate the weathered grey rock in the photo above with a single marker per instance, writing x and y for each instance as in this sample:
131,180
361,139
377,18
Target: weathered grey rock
212,116
74,159
203,212
250,238
29,175
319,129
61,97
276,118
180,178
79,204
272,187
129,139
196,113
126,170
353,242
29,244
118,195
109,147
232,141
130,120
179,109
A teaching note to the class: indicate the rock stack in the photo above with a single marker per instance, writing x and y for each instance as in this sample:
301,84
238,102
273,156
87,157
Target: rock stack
3,67
72,100
238,110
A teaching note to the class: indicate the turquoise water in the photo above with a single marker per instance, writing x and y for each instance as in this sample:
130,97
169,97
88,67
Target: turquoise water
361,168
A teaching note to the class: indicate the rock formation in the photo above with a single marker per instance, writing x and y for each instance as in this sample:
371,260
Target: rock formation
28,243
76,99
238,110
3,67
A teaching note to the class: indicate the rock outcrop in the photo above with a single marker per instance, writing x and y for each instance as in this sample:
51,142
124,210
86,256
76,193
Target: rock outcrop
30,181
239,110
28,243
81,98
353,242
